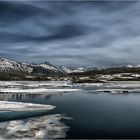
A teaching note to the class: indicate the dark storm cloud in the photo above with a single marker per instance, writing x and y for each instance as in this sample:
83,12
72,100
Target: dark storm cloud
104,33
63,32
13,12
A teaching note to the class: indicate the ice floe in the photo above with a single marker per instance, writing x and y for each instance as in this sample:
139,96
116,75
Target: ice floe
45,127
20,106
36,83
91,84
35,87
12,90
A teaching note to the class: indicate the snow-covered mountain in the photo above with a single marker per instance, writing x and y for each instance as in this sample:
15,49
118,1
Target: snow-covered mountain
65,69
13,66
68,70
46,68
76,70
131,66
9,66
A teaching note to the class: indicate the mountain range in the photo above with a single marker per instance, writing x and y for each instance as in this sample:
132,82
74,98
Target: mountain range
10,66
14,70
14,67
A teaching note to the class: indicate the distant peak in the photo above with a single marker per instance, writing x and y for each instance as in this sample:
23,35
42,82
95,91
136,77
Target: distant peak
4,59
129,66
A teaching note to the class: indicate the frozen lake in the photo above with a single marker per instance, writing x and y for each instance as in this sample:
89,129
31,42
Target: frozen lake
102,110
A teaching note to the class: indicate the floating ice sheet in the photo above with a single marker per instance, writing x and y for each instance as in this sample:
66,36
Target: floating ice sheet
44,127
36,83
35,87
19,106
36,90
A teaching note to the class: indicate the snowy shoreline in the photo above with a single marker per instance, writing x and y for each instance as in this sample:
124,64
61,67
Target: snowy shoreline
58,87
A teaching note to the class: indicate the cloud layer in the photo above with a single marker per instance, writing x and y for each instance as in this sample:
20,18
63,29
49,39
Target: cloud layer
101,34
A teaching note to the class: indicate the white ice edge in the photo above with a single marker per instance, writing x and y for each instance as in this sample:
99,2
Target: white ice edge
36,83
15,90
20,106
90,84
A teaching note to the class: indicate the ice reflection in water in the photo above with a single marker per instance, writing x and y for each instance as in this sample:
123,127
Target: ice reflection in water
49,126
20,96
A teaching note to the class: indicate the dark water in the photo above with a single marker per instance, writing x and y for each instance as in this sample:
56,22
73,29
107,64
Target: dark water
95,115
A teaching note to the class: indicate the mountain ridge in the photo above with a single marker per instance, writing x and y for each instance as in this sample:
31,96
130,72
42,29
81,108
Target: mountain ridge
10,66
14,70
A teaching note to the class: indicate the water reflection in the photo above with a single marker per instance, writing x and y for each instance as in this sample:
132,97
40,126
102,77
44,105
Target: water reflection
50,126
25,96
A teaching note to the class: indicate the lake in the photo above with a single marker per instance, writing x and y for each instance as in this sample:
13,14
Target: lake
110,110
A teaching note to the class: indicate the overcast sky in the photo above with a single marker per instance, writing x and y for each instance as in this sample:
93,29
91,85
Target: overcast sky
101,34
